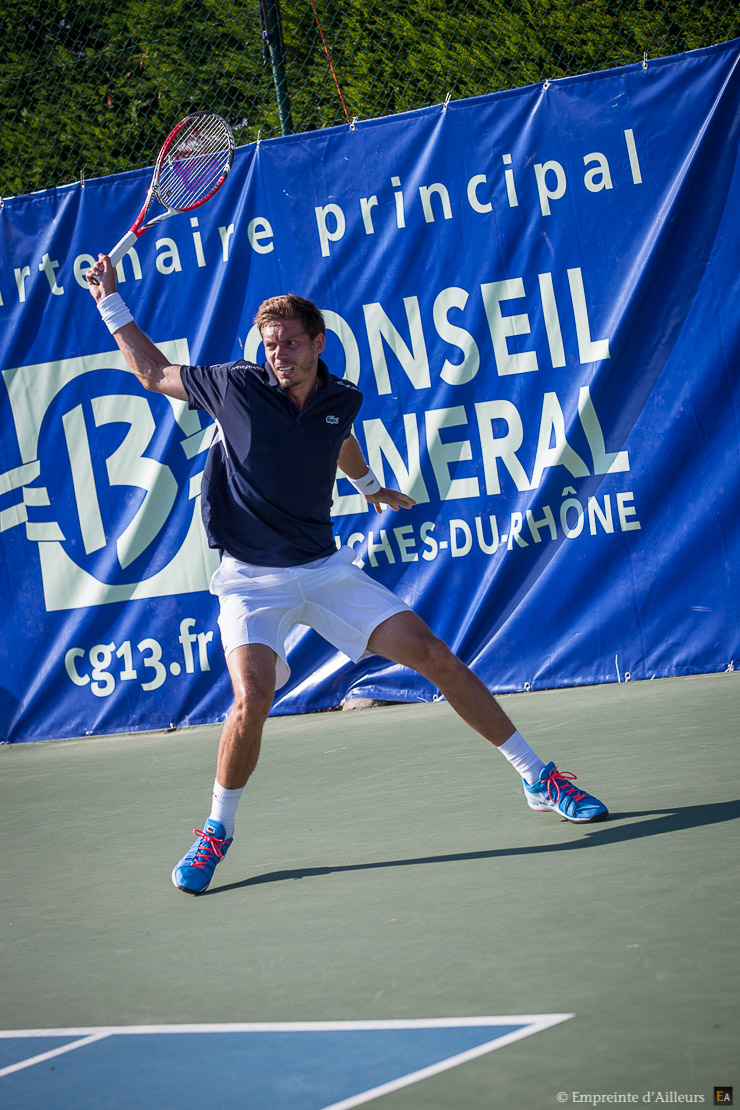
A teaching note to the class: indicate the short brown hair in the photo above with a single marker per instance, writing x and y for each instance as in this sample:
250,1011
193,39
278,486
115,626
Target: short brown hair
289,306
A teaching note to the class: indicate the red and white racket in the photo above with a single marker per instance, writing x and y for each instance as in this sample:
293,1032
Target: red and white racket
193,164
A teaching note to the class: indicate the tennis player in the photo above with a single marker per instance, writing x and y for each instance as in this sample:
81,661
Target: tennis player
282,430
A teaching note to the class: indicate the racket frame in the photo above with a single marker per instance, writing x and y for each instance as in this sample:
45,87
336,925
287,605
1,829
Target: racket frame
124,245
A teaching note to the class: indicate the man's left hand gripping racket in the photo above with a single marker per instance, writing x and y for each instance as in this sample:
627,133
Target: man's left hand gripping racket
193,164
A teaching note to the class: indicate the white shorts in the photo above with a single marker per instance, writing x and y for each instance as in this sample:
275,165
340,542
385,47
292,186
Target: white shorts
260,605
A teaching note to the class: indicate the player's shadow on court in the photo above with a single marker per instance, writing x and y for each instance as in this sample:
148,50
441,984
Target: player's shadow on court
621,827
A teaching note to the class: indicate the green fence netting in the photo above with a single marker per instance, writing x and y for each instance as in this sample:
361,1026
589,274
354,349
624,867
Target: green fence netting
90,88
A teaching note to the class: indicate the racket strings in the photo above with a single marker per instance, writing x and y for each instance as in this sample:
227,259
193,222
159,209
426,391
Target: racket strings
195,163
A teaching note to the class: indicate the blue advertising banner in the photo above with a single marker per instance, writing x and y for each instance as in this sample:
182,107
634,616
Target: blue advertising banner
536,292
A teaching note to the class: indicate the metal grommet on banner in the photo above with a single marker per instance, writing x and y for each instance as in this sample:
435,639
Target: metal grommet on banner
259,139
644,60
82,177
448,98
353,122
547,83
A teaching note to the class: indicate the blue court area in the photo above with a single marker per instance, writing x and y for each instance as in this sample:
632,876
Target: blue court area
269,1068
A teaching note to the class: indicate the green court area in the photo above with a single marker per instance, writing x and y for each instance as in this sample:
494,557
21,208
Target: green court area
385,866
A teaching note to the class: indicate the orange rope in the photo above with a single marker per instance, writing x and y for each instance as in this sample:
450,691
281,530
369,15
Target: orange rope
331,64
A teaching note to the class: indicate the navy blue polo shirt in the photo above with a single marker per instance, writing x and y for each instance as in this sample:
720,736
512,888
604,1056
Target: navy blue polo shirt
269,476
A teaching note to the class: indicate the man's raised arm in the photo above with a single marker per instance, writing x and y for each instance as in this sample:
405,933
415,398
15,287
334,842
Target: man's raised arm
147,361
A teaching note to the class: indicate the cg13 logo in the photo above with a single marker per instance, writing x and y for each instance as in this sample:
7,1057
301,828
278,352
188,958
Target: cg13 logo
99,487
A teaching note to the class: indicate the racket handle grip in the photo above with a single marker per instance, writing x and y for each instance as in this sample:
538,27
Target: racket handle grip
122,247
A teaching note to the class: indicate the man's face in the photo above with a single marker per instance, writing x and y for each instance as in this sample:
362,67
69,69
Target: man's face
291,353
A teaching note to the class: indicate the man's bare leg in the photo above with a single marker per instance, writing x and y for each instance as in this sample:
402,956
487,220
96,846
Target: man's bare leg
406,639
252,671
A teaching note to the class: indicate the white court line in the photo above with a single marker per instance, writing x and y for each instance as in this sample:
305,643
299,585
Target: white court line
539,1021
29,1063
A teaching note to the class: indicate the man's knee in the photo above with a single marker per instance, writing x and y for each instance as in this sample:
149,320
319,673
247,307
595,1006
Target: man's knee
406,639
252,671
434,656
251,705
249,711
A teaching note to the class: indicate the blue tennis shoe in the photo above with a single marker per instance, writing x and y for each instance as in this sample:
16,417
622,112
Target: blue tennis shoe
195,870
555,790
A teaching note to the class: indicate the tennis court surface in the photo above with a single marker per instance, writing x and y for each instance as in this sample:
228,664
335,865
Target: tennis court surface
392,925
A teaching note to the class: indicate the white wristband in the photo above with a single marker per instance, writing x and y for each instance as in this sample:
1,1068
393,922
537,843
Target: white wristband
115,312
367,484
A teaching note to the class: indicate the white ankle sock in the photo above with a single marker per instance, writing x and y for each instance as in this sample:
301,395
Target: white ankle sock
522,758
224,806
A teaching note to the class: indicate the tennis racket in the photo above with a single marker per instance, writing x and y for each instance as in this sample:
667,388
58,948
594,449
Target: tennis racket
193,164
